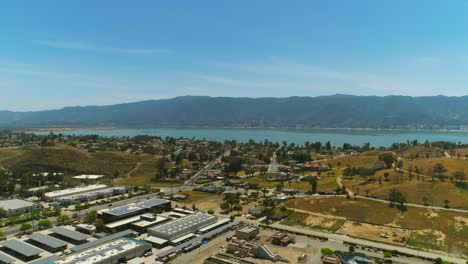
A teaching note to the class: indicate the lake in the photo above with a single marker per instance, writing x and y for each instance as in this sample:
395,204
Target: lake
298,136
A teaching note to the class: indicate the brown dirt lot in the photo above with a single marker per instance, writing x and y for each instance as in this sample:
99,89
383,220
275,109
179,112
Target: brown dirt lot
397,236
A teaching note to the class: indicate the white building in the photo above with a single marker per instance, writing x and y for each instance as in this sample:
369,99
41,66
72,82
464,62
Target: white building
17,206
73,191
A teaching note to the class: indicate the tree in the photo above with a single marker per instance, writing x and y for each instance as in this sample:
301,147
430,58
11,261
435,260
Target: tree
25,227
439,168
396,196
63,219
211,211
263,170
90,217
238,208
386,174
265,191
446,202
3,213
326,251
2,234
100,226
313,184
44,223
425,199
387,158
459,175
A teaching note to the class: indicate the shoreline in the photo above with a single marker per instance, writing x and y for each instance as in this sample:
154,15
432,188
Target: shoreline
110,128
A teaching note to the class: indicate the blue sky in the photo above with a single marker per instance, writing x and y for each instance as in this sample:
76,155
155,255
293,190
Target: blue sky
64,53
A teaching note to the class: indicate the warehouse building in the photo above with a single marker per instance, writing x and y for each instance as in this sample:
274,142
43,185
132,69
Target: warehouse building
146,221
17,206
116,251
119,213
54,195
182,226
92,195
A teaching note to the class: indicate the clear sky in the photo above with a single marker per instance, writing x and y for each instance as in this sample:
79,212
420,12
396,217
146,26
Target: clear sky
67,53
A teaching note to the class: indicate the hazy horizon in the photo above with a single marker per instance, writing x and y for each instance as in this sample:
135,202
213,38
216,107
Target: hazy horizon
169,98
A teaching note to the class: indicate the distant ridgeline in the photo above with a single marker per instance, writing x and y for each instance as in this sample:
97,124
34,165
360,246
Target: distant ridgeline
335,111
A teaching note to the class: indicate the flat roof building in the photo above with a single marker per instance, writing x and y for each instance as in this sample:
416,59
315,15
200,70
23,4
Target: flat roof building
92,195
182,226
18,206
247,233
73,191
129,210
116,251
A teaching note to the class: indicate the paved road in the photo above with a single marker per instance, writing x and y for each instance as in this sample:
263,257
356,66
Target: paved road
208,167
367,243
273,168
416,205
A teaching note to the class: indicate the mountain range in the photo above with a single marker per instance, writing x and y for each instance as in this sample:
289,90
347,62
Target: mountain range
334,111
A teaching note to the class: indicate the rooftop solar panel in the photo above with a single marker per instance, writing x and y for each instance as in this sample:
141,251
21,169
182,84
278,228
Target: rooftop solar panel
47,260
70,233
47,240
4,258
103,240
22,248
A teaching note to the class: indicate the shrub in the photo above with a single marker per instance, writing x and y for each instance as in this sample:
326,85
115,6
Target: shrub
326,251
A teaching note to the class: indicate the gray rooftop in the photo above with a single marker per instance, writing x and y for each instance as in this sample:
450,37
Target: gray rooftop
126,209
4,258
14,204
47,260
102,240
183,223
47,240
21,247
70,233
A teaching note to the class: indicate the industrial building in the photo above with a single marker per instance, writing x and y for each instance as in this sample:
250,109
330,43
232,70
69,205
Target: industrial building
92,195
54,195
116,251
146,221
247,233
17,206
122,212
182,227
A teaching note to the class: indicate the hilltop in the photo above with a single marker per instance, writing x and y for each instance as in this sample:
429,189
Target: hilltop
335,111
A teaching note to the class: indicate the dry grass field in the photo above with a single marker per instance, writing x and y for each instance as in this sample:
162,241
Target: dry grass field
396,236
432,229
365,159
426,165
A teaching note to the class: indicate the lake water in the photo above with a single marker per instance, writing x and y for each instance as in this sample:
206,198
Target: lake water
336,136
